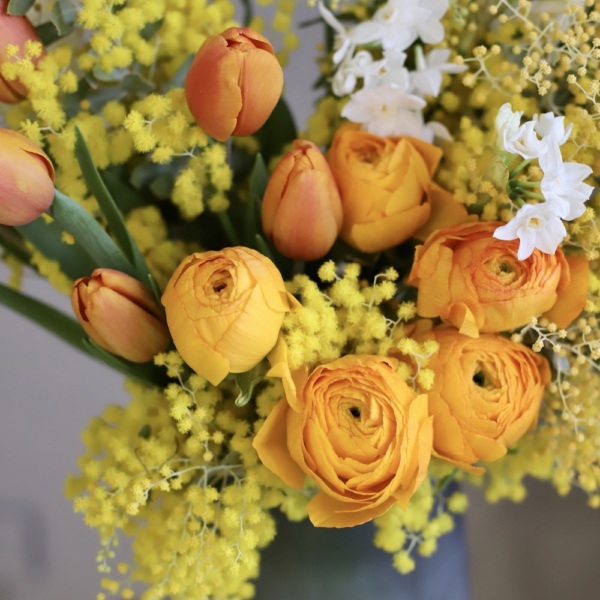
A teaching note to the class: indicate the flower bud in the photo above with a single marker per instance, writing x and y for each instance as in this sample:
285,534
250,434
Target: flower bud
14,30
26,179
119,313
234,83
302,210
225,310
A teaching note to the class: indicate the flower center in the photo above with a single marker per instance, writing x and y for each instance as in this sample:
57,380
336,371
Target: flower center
534,224
354,411
220,283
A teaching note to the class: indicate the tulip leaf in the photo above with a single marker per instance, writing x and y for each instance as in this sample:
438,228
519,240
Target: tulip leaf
19,7
248,12
13,243
258,183
278,131
48,317
110,210
145,372
90,235
47,238
263,247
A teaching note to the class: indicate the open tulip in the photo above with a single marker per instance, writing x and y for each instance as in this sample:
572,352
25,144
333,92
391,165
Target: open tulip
26,180
234,83
225,309
119,313
14,30
301,209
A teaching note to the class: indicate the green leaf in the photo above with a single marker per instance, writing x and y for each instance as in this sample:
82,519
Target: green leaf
145,431
263,247
178,80
89,234
19,7
13,243
136,84
110,210
248,12
47,238
278,131
246,383
126,197
63,16
258,182
54,321
144,372
162,186
48,33
151,29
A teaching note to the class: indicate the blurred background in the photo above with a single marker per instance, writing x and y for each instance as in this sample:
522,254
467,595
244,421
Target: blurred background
545,548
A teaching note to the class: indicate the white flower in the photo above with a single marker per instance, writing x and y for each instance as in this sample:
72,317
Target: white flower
507,123
550,127
562,184
352,68
524,141
427,79
536,226
385,111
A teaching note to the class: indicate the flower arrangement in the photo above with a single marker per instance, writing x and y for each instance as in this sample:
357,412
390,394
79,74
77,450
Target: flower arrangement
334,324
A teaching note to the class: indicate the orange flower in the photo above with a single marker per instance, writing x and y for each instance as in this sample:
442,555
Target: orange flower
234,83
225,309
358,431
384,184
14,30
476,283
26,180
486,394
301,209
119,313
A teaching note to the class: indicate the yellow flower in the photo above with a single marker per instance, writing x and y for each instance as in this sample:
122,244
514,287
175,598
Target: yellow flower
234,83
119,313
26,180
15,31
225,309
357,430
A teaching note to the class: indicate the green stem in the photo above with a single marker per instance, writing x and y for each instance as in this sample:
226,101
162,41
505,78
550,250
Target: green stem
227,225
519,168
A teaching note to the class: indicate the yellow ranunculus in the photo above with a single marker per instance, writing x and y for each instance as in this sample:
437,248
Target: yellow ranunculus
475,282
486,394
225,309
385,185
357,430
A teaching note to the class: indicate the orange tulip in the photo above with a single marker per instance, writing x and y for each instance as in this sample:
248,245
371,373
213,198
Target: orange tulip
119,313
302,210
14,30
26,179
234,83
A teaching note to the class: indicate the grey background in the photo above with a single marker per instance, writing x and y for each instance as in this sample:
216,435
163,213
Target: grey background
545,548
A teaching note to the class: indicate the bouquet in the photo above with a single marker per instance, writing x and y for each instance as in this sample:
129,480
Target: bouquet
339,324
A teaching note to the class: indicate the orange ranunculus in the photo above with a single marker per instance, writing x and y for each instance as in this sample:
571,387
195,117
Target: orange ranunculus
119,313
486,394
476,283
301,208
234,83
358,431
384,184
26,179
14,30
225,309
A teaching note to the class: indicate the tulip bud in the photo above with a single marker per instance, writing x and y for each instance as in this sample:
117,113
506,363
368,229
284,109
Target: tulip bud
119,313
14,30
234,83
26,179
301,209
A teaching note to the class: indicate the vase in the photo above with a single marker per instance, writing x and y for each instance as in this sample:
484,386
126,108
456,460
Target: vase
309,563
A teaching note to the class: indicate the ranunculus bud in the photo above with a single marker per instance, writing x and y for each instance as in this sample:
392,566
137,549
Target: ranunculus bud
301,209
26,179
234,83
14,30
225,309
119,313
